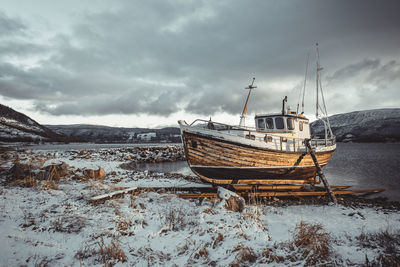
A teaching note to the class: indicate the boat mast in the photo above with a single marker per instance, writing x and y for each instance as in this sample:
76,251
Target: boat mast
242,117
324,112
317,82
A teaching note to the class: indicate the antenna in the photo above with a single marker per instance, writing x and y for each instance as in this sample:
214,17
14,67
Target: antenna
305,81
242,117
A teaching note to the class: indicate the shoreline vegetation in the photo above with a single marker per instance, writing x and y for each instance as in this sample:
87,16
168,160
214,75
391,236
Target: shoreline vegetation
48,219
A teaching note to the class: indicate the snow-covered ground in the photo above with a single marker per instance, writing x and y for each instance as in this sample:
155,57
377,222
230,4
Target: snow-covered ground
52,222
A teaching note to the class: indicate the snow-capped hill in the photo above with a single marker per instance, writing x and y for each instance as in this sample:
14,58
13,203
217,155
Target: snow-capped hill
107,134
16,126
376,125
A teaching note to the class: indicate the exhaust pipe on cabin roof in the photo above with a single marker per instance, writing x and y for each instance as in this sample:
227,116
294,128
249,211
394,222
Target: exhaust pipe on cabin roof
283,105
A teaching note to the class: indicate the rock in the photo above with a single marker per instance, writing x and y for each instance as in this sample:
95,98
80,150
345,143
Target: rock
95,174
87,156
56,171
101,173
128,157
230,200
20,171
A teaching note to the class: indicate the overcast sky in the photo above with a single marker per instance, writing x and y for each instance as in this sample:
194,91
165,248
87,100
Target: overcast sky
150,63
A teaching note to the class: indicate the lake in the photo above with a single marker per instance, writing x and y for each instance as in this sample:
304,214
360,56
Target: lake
361,165
87,146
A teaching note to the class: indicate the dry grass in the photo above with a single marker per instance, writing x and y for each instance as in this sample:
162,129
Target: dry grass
50,184
68,224
123,225
311,246
313,242
31,175
245,256
177,219
111,252
107,254
218,240
153,258
387,243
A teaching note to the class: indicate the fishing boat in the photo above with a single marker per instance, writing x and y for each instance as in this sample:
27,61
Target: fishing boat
275,151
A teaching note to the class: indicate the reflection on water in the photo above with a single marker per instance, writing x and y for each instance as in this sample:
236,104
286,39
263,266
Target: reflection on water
367,165
362,165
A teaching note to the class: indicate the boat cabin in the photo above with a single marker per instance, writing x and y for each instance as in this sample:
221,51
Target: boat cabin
296,124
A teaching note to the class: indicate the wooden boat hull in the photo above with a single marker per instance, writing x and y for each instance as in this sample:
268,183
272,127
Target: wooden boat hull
220,161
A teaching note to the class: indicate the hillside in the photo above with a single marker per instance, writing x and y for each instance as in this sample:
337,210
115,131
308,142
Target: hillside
106,134
376,125
17,127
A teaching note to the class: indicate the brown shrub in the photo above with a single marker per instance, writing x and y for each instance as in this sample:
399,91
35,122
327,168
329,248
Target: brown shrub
111,252
246,255
123,225
312,242
49,184
108,254
234,203
387,243
311,245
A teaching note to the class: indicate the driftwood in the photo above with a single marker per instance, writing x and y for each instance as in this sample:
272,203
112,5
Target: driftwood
102,198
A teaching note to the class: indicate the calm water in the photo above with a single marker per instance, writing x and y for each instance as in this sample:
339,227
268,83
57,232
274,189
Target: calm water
369,165
79,146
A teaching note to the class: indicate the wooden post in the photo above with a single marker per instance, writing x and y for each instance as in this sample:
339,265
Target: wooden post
319,171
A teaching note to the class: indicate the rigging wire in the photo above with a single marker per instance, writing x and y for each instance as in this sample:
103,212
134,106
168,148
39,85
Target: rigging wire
305,81
303,90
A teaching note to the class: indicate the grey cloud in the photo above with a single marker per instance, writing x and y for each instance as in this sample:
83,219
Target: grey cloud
354,69
156,57
10,26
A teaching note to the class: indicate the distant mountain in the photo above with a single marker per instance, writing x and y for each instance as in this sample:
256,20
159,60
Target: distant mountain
17,127
106,134
376,125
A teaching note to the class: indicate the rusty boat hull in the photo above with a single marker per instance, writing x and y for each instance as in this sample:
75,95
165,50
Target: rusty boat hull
218,160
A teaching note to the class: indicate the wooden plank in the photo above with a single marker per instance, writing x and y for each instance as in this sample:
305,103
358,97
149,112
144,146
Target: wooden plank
102,198
282,187
282,194
257,181
266,187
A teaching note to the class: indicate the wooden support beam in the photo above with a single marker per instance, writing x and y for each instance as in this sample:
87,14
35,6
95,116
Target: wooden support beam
319,171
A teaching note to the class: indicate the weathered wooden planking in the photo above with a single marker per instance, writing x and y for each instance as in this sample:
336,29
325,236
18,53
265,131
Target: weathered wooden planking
204,151
206,154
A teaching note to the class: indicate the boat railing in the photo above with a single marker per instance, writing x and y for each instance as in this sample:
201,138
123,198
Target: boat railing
280,142
211,125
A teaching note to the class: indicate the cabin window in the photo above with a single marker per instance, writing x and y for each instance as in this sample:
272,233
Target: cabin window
261,123
279,123
301,126
270,123
290,123
250,136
